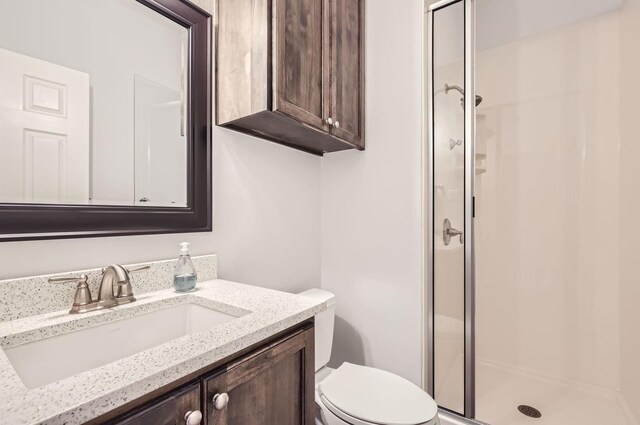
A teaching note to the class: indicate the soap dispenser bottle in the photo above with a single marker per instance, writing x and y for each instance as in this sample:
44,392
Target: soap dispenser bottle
185,276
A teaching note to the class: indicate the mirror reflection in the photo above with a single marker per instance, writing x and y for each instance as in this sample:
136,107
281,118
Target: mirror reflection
92,104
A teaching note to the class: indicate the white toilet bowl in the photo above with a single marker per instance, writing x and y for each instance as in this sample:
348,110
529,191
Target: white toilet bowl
359,395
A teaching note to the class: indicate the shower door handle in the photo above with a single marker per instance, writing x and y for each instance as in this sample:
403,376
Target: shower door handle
449,232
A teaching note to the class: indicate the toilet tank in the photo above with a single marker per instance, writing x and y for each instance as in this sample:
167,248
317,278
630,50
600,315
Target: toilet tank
323,325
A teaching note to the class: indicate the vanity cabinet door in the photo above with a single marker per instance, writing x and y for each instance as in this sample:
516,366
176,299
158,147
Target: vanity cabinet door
274,385
347,70
170,410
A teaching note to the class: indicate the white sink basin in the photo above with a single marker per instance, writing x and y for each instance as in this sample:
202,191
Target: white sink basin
51,359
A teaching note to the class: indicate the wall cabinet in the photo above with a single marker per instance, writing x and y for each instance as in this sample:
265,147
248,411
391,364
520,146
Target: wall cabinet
292,71
271,384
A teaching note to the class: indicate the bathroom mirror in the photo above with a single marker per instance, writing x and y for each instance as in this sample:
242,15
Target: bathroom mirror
104,118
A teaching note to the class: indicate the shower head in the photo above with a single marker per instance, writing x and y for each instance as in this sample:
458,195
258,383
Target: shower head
459,89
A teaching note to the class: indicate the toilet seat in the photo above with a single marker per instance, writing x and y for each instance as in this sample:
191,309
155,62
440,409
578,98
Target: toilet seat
362,395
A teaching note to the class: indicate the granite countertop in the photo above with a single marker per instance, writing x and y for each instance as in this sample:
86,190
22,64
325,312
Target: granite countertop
77,399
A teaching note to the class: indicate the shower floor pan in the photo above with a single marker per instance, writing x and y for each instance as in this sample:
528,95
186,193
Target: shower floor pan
500,390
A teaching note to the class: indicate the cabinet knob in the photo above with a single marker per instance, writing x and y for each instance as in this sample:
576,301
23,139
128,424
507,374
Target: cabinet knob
220,401
337,124
329,121
193,417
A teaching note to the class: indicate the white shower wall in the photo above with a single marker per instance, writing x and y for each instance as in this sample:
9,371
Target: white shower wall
629,225
547,240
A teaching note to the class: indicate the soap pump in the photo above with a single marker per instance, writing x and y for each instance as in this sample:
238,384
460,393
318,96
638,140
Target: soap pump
185,276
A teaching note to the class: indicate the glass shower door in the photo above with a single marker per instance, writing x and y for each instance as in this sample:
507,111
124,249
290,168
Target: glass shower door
558,130
450,144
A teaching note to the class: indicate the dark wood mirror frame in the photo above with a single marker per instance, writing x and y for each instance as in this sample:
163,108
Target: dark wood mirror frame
51,221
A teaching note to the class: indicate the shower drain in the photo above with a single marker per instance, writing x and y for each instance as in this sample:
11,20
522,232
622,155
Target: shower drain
529,411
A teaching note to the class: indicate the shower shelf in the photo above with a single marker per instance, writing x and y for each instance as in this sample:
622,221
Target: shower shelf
479,170
481,165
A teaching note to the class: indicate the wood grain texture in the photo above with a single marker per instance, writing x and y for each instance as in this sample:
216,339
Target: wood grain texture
285,66
284,130
299,89
309,376
272,386
167,411
347,70
242,58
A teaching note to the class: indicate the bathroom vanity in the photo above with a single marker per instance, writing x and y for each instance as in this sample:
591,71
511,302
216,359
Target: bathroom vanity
225,354
270,384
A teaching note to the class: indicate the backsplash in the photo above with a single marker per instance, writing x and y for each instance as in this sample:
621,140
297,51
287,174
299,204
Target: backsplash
30,296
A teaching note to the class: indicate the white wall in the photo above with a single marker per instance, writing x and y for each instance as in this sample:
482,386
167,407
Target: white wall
371,226
266,223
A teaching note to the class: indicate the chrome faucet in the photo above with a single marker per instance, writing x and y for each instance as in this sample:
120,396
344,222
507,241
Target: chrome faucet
115,289
113,278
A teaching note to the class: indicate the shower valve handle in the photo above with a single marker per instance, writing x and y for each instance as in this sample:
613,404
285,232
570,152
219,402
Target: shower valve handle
449,232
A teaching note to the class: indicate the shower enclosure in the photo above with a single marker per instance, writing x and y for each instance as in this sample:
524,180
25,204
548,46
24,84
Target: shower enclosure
532,300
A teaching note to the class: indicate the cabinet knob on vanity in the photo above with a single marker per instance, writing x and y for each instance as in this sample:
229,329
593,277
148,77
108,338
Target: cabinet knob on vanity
220,401
337,124
193,417
329,121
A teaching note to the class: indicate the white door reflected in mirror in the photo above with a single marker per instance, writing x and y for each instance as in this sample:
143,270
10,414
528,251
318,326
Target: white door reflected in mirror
92,104
159,140
44,131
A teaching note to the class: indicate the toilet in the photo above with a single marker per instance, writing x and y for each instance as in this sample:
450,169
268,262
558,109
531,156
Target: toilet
360,395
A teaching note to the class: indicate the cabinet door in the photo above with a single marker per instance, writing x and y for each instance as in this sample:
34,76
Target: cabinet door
301,89
272,386
168,411
347,70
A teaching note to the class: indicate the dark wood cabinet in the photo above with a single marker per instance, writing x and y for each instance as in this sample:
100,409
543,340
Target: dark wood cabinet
292,71
168,410
269,387
347,73
301,44
270,383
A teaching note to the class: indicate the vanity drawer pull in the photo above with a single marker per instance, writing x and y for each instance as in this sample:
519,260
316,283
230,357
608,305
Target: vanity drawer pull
220,401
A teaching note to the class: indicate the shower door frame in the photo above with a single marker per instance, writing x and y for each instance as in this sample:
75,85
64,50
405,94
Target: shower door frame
469,208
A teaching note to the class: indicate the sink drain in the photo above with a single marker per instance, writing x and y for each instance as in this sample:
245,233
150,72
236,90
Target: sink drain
529,411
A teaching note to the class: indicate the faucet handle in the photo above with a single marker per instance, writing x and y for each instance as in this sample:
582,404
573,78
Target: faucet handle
124,289
139,268
82,279
124,292
82,297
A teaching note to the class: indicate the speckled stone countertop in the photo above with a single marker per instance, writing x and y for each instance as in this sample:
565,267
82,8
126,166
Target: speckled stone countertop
74,400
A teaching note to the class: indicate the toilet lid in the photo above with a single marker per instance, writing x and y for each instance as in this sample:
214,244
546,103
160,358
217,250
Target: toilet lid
376,396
